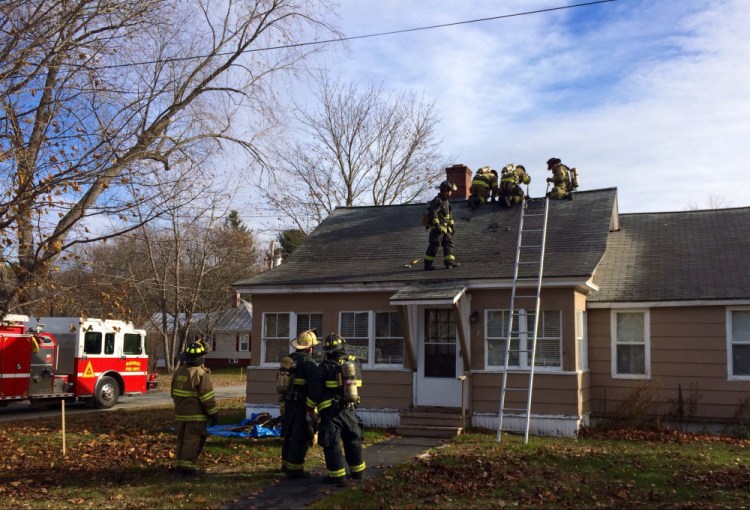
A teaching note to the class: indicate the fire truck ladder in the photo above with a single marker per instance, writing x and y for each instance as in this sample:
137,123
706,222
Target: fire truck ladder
520,358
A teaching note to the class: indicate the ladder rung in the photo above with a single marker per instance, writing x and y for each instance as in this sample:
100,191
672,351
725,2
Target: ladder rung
531,246
527,263
524,296
532,230
514,409
532,214
516,389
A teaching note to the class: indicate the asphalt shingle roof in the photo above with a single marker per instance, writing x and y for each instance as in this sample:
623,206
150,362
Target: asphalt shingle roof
689,255
373,244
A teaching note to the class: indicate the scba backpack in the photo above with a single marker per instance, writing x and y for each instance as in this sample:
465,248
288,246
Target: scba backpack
426,219
285,377
572,178
347,379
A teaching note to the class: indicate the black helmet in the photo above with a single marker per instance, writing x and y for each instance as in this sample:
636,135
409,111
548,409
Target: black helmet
553,161
334,342
194,353
447,186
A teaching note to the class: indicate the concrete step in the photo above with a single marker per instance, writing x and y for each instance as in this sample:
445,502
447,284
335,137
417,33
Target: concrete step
428,431
441,419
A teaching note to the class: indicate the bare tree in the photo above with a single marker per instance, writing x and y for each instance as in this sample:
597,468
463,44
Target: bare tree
97,95
713,201
361,146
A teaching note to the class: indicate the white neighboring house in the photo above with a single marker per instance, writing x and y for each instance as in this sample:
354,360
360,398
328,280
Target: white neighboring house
228,335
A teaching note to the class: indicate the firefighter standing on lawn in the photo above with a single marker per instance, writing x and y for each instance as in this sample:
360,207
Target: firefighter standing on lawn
294,426
335,392
194,406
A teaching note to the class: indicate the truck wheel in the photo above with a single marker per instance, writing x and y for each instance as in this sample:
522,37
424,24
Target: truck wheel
107,393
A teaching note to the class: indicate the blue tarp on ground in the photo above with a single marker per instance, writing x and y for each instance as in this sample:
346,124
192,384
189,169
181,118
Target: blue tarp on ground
255,431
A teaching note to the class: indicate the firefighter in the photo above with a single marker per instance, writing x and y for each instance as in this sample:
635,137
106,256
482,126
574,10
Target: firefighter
560,180
483,186
194,406
335,392
440,223
298,433
511,178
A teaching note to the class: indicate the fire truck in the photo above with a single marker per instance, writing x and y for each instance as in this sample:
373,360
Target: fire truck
71,358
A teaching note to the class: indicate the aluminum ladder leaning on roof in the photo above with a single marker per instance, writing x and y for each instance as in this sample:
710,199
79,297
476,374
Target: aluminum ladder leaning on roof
520,359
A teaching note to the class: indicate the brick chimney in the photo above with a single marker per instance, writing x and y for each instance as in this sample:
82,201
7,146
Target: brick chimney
460,175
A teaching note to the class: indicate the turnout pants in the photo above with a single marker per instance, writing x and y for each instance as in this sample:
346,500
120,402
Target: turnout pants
191,438
296,436
436,239
342,426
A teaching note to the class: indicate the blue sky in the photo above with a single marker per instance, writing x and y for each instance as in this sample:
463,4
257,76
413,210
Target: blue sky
651,97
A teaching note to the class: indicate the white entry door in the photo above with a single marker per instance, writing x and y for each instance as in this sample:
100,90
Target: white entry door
438,360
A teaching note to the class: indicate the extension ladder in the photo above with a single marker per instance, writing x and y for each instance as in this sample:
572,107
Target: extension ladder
532,237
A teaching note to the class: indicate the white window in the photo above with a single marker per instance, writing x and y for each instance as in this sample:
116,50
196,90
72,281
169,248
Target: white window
276,338
244,343
548,344
738,344
277,332
389,342
355,328
374,337
631,358
307,321
582,340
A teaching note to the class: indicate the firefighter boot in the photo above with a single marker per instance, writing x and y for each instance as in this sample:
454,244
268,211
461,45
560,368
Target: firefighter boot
428,266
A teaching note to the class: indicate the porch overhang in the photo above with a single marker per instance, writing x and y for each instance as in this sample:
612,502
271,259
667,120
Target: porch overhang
451,294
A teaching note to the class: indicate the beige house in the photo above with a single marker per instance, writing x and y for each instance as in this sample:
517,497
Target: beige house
648,308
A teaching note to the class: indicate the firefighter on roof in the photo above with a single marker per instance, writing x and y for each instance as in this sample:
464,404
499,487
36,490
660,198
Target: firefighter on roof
298,433
440,223
194,406
512,177
483,185
561,180
335,392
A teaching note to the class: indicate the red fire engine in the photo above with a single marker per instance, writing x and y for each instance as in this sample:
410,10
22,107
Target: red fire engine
93,360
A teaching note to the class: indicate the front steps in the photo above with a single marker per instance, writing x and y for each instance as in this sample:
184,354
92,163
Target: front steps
437,422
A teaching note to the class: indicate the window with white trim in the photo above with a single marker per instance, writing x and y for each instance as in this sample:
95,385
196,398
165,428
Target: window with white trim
355,328
374,337
277,332
549,339
244,342
389,342
738,333
582,340
631,358
276,338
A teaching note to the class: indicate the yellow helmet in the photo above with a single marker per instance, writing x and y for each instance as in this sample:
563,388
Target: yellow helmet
306,339
194,353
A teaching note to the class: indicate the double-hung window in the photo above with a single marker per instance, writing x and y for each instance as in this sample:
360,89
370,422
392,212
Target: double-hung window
374,337
738,344
549,339
631,358
279,329
582,340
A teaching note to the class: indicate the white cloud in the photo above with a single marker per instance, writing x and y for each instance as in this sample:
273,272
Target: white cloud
649,97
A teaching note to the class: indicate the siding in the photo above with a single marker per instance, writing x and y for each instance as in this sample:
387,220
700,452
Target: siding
688,350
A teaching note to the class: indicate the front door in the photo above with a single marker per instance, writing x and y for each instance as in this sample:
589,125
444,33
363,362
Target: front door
438,360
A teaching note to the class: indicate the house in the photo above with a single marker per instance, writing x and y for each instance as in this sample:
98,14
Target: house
228,334
649,308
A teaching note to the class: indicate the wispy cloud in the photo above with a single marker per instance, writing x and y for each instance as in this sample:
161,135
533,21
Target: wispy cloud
649,97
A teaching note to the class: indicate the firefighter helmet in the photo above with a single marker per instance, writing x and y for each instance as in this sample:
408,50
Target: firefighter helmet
194,353
553,162
334,342
306,339
447,186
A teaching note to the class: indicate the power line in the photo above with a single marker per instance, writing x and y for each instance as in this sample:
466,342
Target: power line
365,36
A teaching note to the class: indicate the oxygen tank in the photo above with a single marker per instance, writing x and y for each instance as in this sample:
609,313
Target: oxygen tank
350,395
285,376
574,178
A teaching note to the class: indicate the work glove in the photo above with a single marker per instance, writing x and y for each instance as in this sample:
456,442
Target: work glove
443,229
549,179
213,420
450,229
